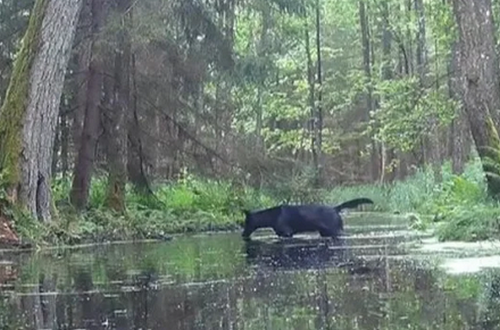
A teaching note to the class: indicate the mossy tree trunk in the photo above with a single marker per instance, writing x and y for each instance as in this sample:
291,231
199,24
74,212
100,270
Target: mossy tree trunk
480,82
28,117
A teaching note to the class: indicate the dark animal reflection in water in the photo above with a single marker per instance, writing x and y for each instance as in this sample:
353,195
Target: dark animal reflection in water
221,282
305,254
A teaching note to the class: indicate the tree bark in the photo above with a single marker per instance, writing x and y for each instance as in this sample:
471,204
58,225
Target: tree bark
312,98
480,82
55,147
116,128
85,158
262,52
28,117
387,152
421,53
459,133
367,57
64,144
83,57
319,107
136,154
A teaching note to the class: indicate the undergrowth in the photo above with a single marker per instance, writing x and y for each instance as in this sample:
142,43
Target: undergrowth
457,206
188,205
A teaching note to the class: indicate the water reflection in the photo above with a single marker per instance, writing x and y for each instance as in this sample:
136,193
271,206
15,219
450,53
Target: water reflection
222,282
312,253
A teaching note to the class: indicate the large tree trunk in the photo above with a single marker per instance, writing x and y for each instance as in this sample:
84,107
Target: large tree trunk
28,117
116,128
84,162
480,81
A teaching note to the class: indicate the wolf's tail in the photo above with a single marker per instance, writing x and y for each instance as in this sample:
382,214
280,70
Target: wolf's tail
353,203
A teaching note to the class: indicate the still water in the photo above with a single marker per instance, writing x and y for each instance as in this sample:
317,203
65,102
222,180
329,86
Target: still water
370,279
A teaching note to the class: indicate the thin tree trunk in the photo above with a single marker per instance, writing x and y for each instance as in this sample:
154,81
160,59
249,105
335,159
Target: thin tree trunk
84,54
387,152
319,108
64,145
421,53
459,134
479,73
28,117
136,156
312,103
262,53
85,158
116,129
367,61
430,141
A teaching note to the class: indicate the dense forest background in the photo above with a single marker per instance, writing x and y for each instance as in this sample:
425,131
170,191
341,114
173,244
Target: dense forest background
292,97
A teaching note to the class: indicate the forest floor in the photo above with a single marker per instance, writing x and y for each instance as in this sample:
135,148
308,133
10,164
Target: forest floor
456,207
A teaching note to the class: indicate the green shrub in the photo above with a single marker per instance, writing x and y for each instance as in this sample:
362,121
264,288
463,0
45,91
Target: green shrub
190,204
410,195
459,203
479,222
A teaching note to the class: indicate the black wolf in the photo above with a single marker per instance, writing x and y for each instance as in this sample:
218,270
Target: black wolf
287,220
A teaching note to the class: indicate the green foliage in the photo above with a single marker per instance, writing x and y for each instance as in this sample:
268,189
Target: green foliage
408,112
3,190
458,205
411,195
190,204
298,189
267,93
13,25
464,208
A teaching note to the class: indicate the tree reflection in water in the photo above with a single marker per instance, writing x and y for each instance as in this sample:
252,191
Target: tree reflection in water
221,282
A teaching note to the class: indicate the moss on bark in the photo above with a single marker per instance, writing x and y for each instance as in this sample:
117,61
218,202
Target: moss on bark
13,110
490,158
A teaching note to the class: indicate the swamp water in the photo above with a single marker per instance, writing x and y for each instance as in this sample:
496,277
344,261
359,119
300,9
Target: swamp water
379,276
